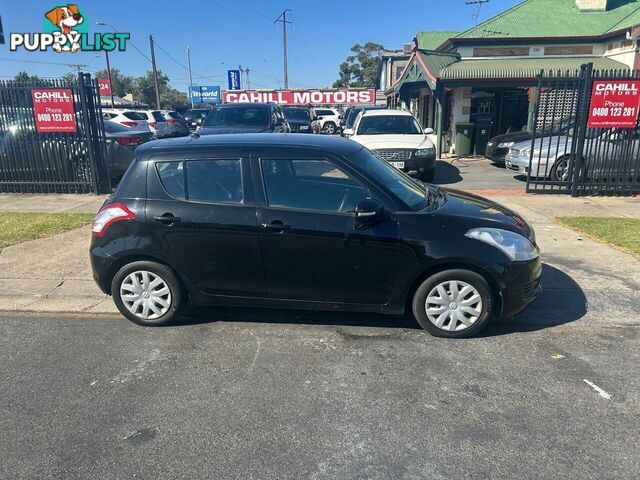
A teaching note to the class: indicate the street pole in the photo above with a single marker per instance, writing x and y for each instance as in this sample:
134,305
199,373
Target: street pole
244,73
106,54
155,71
283,18
190,77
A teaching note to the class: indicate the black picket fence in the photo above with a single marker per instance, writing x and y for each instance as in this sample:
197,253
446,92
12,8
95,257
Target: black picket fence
567,157
51,162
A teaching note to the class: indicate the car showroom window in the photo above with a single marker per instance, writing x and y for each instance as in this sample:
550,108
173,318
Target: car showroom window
215,181
172,178
310,184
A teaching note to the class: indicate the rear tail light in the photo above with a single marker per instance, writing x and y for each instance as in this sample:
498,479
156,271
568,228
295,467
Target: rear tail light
152,124
108,215
173,122
129,124
129,140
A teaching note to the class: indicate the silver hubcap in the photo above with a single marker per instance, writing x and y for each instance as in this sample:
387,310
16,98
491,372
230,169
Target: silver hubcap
453,305
146,295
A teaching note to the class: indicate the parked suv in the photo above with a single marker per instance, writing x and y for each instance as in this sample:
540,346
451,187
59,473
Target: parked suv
157,123
328,120
299,119
127,118
195,117
397,137
310,222
245,118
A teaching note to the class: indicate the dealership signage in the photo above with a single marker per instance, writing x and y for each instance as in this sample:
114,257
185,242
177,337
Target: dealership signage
301,97
104,84
53,110
614,104
205,94
234,79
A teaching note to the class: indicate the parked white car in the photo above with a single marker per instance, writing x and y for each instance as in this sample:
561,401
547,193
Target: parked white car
157,123
328,120
127,118
397,137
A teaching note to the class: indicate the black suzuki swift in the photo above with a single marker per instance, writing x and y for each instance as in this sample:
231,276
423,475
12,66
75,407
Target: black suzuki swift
305,222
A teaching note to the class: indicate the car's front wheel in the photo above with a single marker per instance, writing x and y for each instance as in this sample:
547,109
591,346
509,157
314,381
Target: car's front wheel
329,128
147,293
453,304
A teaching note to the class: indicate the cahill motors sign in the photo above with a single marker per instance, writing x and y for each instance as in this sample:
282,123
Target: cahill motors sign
302,97
614,104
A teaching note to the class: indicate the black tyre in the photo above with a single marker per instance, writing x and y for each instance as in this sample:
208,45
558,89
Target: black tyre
560,170
427,175
329,128
453,304
147,293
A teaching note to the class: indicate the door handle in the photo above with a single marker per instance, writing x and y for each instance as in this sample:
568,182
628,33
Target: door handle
166,218
277,226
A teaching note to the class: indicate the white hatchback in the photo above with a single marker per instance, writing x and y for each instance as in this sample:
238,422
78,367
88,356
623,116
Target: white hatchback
397,137
127,118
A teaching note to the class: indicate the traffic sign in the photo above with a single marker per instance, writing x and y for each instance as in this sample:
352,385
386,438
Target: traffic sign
614,104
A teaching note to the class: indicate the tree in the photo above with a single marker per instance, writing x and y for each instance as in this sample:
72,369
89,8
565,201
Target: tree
144,91
361,68
120,84
24,77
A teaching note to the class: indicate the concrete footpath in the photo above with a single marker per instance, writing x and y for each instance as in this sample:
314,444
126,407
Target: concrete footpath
584,280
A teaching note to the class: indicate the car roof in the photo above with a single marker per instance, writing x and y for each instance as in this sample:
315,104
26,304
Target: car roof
333,144
247,104
386,112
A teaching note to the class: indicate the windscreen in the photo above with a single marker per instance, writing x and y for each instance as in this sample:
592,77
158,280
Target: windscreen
238,116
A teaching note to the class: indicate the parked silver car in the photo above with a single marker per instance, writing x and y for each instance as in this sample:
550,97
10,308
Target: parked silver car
602,155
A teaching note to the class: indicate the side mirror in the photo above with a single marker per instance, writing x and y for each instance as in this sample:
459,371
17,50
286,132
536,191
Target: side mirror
429,131
368,212
348,132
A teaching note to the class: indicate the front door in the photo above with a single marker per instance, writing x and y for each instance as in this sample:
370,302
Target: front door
204,220
310,247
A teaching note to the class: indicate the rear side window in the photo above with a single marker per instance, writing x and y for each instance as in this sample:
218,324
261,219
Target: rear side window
215,181
134,116
158,116
172,177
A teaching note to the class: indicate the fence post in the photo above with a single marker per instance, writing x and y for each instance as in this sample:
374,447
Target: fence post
577,149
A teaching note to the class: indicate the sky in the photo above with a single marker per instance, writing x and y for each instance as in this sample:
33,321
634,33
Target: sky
224,34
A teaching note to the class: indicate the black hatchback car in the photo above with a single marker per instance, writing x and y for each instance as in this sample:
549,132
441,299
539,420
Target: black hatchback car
306,222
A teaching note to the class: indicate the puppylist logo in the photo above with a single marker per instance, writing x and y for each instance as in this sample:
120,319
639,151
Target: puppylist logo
66,29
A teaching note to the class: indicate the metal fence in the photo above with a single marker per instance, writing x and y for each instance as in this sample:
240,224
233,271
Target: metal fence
567,157
52,162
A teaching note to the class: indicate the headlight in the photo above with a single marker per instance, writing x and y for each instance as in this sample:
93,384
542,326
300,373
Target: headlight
506,144
425,152
516,247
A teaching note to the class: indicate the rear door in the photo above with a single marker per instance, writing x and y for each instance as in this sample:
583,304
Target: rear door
201,210
311,249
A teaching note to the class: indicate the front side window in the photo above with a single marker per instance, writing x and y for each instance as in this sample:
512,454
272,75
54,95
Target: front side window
389,125
215,181
310,184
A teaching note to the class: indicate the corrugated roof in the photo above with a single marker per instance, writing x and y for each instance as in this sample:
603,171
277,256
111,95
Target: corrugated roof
556,18
430,40
425,66
515,68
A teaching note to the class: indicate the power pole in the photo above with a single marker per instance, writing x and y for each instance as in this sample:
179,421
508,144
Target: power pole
283,18
155,71
190,77
106,54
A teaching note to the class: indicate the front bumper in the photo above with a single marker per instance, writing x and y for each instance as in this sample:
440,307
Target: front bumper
519,284
496,154
414,165
516,166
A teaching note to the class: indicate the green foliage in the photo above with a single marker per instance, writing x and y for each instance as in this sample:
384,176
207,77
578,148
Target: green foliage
170,98
361,68
620,232
17,227
120,84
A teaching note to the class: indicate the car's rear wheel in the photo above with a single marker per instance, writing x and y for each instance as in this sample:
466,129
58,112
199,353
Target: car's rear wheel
147,293
453,304
329,128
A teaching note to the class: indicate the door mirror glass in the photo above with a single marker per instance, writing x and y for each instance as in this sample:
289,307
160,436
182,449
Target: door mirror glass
369,211
429,131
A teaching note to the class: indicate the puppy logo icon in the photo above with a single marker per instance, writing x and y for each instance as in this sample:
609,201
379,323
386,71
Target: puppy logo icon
66,18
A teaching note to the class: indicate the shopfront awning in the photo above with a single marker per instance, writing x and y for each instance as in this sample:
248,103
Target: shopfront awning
423,69
522,68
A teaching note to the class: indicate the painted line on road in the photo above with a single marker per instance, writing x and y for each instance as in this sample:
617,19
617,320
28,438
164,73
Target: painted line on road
600,391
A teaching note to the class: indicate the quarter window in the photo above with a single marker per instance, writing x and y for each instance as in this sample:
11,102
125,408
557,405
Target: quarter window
172,178
310,184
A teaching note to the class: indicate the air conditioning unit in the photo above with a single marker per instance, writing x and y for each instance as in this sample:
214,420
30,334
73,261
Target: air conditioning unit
407,48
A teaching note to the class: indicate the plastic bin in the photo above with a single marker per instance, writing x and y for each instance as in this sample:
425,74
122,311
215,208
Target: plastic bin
482,135
464,138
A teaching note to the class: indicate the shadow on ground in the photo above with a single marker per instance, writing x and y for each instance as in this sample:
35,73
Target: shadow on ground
562,302
446,173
